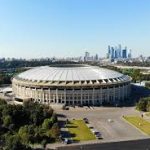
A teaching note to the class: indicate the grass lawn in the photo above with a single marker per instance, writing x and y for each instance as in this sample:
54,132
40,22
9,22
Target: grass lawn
139,122
79,130
148,114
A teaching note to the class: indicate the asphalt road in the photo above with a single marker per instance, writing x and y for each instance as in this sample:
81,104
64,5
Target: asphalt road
125,145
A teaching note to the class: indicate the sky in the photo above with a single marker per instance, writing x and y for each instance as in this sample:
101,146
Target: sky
62,28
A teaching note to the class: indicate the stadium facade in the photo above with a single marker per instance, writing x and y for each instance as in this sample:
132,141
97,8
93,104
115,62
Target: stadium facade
72,85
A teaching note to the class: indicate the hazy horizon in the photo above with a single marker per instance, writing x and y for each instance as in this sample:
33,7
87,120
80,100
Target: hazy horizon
67,28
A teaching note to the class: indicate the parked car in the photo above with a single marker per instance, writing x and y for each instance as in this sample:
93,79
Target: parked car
98,135
65,107
67,141
86,120
93,131
110,120
91,127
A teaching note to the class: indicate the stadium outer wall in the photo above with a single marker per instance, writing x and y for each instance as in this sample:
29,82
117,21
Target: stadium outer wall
72,93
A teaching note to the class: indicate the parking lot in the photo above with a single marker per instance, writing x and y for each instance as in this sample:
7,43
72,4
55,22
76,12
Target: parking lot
108,121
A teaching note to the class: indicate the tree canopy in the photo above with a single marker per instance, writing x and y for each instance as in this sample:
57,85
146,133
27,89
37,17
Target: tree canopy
22,125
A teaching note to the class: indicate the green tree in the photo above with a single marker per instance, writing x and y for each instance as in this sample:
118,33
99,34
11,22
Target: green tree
136,75
46,124
55,131
148,106
142,105
24,134
13,143
7,120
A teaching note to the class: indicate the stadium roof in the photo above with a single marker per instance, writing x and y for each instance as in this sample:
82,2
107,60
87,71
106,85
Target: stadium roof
83,73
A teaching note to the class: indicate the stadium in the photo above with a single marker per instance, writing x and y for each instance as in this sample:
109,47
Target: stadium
72,85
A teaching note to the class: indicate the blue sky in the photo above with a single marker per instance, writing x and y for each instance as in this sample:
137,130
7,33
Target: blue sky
47,28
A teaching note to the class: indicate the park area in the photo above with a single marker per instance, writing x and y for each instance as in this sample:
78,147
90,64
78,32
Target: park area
139,123
79,131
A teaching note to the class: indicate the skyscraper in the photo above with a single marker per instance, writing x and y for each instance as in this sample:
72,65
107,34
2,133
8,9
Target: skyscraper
112,52
124,53
87,55
109,49
130,54
117,52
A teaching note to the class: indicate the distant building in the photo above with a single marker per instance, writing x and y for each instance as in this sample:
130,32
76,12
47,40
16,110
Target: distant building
117,53
96,57
86,57
129,54
112,52
124,53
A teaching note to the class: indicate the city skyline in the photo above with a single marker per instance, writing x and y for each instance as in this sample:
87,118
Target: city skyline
67,28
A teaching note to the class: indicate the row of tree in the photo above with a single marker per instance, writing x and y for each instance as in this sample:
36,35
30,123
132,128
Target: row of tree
5,78
135,63
30,63
21,126
136,74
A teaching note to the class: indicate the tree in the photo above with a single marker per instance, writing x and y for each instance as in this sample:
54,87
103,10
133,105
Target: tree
55,131
7,121
143,104
46,124
13,142
24,134
148,106
30,123
136,75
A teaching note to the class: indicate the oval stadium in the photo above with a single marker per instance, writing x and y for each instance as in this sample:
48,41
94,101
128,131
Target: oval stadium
72,85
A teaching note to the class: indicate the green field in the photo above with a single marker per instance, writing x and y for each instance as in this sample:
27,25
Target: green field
139,122
148,114
79,131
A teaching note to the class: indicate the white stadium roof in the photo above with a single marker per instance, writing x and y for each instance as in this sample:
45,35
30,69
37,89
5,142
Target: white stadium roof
84,73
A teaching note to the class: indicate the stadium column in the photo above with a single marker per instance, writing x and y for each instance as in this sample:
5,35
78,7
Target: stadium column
93,100
81,97
126,91
73,96
123,90
56,95
101,96
61,98
46,96
35,97
37,94
64,96
108,93
127,86
42,96
31,92
114,94
49,97
122,97
88,95
119,94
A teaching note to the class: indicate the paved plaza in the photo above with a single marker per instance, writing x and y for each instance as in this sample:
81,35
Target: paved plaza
108,121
